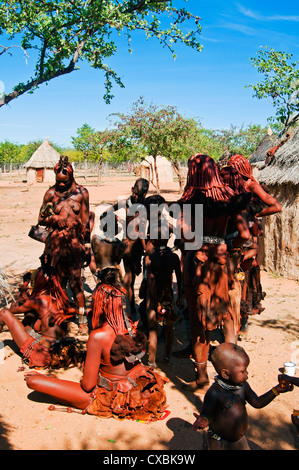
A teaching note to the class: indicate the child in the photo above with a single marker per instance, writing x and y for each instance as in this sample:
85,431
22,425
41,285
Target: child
160,265
224,408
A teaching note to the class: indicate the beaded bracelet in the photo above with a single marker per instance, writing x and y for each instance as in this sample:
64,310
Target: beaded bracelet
276,393
203,417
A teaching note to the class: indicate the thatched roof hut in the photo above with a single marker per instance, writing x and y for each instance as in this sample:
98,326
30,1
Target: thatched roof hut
164,167
284,168
260,153
280,244
39,167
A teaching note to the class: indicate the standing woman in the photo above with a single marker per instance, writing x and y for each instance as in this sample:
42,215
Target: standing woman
206,271
115,383
242,165
252,293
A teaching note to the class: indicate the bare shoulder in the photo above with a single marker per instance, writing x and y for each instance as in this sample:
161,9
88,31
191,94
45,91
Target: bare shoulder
48,196
81,189
104,333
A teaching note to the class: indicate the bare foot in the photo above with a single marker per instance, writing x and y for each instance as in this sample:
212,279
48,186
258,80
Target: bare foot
198,385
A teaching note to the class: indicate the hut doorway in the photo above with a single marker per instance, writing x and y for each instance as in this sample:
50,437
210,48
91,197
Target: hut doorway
40,175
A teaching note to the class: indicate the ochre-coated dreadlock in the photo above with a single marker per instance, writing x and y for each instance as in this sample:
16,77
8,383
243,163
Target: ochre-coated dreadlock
233,179
242,165
108,303
204,177
48,284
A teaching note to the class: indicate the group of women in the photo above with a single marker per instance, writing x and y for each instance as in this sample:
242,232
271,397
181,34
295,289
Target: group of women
115,382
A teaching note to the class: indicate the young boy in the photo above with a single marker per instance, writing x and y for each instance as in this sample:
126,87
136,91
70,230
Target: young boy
224,409
160,265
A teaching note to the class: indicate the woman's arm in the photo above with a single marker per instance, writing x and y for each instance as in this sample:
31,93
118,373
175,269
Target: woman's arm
273,206
95,344
242,228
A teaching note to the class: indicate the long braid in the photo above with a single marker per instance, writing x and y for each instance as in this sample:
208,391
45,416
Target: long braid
204,176
242,165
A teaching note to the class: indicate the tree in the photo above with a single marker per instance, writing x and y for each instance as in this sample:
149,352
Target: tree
242,140
83,142
157,130
65,32
281,84
9,153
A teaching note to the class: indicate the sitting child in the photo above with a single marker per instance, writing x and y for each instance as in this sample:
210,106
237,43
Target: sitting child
224,409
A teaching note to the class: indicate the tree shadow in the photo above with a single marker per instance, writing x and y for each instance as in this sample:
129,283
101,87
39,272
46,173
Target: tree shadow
4,431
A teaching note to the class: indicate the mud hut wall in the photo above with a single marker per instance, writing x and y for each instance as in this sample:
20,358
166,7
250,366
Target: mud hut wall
279,246
48,175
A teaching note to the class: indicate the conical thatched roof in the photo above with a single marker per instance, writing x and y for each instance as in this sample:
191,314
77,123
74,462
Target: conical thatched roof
284,168
43,157
260,153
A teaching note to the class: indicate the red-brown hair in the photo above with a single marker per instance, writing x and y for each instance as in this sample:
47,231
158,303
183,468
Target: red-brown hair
242,165
233,179
204,176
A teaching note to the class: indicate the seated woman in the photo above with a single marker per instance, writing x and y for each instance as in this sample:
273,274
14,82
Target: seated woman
43,333
115,383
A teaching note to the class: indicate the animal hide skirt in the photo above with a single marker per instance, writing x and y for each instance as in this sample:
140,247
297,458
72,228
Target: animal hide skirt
138,396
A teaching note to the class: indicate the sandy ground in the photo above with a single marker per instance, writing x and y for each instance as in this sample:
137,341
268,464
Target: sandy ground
27,424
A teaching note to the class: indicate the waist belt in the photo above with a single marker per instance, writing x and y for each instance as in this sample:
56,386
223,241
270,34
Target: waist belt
47,343
212,239
111,385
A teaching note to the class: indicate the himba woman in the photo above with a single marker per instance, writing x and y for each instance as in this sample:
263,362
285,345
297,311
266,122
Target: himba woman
207,276
66,216
115,383
42,337
238,174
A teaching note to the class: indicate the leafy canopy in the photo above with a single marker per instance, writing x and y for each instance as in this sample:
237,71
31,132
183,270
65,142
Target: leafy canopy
280,84
63,33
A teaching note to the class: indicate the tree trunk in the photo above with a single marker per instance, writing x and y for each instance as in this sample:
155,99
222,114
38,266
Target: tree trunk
157,174
100,171
85,168
177,169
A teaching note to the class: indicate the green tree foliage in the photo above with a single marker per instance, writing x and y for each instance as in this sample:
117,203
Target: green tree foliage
63,33
9,153
280,84
241,141
83,141
157,130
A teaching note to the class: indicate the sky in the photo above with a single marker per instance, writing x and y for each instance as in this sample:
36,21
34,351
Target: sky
209,85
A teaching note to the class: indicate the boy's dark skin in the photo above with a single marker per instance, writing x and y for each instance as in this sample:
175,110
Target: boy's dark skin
160,266
224,410
133,248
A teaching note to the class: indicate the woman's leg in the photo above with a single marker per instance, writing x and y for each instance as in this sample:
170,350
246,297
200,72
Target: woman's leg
64,391
17,330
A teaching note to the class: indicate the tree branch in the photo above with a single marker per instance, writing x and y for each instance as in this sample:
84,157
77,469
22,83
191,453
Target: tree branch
42,79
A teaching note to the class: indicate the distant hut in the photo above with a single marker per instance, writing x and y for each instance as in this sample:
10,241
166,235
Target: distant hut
40,166
164,167
279,250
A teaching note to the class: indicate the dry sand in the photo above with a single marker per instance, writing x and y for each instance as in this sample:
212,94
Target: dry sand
27,424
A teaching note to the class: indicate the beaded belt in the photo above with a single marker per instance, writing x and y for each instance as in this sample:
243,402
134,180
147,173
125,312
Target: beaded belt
109,385
212,239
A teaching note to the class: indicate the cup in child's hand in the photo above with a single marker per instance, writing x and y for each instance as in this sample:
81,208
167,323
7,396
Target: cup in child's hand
289,368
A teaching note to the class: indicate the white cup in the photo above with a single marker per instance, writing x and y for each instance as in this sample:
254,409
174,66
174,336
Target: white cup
289,368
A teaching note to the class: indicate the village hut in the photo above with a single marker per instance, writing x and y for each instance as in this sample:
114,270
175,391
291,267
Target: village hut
266,144
279,246
40,166
164,168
